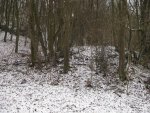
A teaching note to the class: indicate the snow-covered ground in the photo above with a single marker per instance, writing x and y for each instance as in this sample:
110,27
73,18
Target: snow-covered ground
28,90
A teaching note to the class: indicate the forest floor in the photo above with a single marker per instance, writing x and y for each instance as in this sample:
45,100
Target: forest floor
29,90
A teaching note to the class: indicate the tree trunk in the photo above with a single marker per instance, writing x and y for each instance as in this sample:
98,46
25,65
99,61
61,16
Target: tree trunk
17,33
122,15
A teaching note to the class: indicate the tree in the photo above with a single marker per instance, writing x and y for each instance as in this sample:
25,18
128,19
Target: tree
18,21
122,4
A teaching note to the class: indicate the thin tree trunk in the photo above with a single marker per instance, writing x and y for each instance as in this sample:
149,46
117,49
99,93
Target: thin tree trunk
122,15
17,33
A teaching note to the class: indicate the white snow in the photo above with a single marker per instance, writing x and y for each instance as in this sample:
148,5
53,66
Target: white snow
39,95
